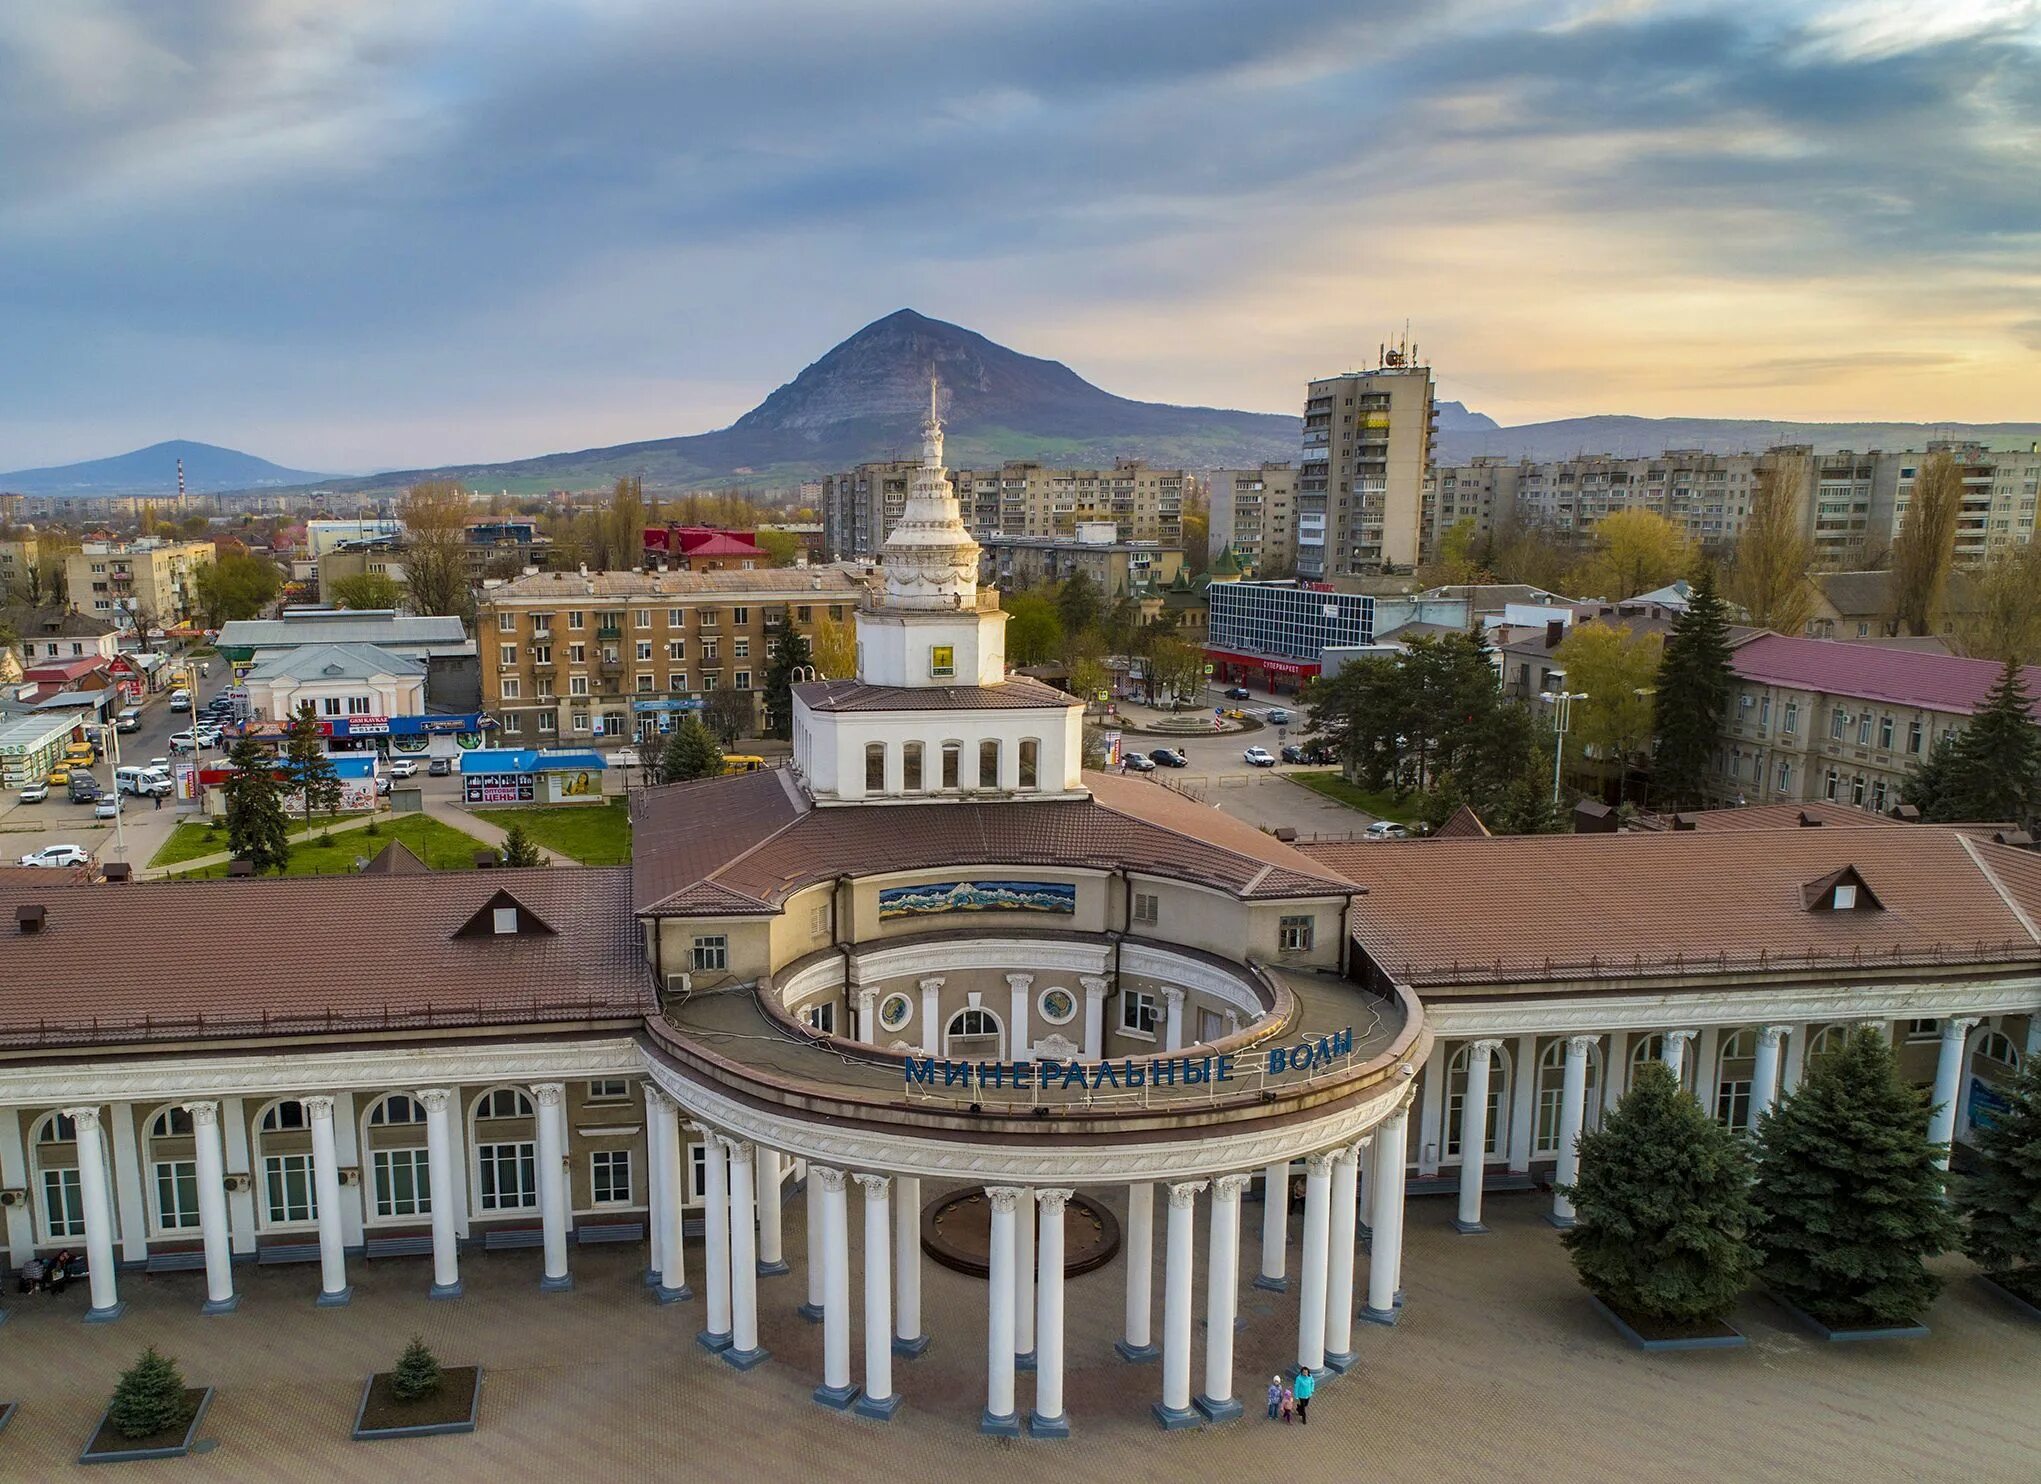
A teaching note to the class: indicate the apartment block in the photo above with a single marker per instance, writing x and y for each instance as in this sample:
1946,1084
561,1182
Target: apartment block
1019,498
152,578
1254,514
1361,479
615,655
1118,569
17,563
1999,494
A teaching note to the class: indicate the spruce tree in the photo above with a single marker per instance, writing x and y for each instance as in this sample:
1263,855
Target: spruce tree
1662,1205
519,849
149,1398
691,752
306,764
1694,685
1848,1192
2001,1200
1993,771
417,1372
257,830
789,654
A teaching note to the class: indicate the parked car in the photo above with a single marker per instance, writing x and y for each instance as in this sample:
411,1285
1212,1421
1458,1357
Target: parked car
1292,753
1170,757
84,787
183,742
1258,757
142,782
129,720
59,776
160,765
35,793
1277,717
1136,762
180,699
1319,755
403,767
1239,693
107,807
1387,829
57,855
440,767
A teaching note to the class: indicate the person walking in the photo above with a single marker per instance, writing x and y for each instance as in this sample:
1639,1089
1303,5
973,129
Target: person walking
1275,1397
1306,1386
1289,1405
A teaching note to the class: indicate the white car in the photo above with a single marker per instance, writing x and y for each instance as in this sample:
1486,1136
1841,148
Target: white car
35,793
57,855
108,807
1387,829
403,767
182,742
1258,757
160,765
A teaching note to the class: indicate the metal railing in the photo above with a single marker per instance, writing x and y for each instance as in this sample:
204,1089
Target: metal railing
1503,970
101,1030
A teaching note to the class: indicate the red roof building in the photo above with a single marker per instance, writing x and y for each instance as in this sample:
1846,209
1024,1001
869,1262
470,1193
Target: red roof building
703,549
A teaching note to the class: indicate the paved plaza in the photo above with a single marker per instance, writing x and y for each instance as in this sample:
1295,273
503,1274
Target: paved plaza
1498,1372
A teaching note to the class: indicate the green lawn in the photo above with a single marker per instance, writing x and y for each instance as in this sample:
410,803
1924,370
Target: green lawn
440,846
190,841
594,834
1400,807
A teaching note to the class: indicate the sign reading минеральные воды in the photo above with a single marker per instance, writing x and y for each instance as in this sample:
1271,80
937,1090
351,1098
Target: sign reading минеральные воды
1169,1071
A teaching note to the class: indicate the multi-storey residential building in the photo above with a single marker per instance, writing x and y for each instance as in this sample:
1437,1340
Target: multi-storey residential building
1484,492
151,578
612,655
1116,568
1999,494
17,566
1254,515
1019,498
1360,483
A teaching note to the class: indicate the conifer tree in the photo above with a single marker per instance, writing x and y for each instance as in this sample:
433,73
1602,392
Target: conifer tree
519,849
1848,1192
1662,1207
149,1398
691,752
306,764
1694,685
2001,1200
1992,770
257,830
417,1372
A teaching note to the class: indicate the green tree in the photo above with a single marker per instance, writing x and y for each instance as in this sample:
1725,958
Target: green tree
1768,577
1455,561
783,547
257,829
519,849
1848,1192
1079,603
1694,686
307,766
149,1397
1992,769
1034,629
691,752
1635,552
833,648
1612,665
365,590
2003,620
788,654
1662,1207
2001,1199
417,1372
1926,545
1178,670
235,585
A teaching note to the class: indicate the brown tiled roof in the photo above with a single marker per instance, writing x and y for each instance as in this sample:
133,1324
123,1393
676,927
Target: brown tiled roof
1474,913
1462,824
1813,814
709,849
855,695
305,953
395,859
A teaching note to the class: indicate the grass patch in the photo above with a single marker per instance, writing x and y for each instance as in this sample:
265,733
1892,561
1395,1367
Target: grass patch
594,834
1400,807
440,846
189,841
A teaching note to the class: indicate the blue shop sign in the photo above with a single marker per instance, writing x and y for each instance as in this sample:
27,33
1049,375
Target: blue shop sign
667,703
468,722
1169,1071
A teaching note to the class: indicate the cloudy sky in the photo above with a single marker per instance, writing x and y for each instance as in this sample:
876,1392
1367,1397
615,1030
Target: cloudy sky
396,232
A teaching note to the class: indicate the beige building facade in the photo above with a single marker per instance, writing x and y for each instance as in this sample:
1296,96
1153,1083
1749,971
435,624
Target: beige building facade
1254,514
1020,498
1361,478
1116,568
152,578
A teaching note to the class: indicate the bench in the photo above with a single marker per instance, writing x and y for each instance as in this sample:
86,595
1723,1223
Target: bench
398,1246
176,1262
511,1240
286,1252
613,1231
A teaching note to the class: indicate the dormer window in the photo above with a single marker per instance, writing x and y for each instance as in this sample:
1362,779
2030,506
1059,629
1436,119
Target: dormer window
504,916
1844,899
1841,891
505,919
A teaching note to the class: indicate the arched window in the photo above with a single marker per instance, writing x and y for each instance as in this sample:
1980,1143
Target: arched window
171,1123
972,1031
1998,1047
1030,762
1647,1049
506,1163
58,1128
910,767
1735,1068
400,1170
875,767
1828,1038
173,1173
988,763
395,1109
1498,1101
503,1102
285,1116
289,1194
953,758
1551,1096
62,1207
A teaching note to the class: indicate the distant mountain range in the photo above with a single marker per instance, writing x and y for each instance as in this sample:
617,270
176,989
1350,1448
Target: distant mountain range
1640,437
153,471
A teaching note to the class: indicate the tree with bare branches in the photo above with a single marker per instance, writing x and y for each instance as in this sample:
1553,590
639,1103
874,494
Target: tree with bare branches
2003,619
435,516
1926,546
1768,576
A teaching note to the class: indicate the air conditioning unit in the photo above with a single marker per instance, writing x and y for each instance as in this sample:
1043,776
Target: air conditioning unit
237,1184
13,1198
679,983
350,1174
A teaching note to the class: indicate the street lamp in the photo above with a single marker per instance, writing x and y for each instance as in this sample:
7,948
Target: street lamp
1561,702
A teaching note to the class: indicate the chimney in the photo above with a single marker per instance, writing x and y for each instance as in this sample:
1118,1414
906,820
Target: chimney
487,860
118,871
236,870
1555,632
30,918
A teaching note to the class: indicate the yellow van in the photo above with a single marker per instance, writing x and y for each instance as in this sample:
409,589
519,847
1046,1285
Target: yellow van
81,754
739,762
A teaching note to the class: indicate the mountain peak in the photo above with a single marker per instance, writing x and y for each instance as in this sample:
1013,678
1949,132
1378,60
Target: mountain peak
153,471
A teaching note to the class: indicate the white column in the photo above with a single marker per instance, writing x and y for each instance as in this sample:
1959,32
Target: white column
908,1340
1137,1343
1175,1410
1340,1251
1000,1418
1764,1076
1024,1281
1047,1419
880,1400
659,1193
439,1160
240,1203
1172,1030
931,1017
1615,1070
1474,1136
716,1242
817,1266
1311,1263
1094,1017
131,1212
772,1237
212,1208
1795,1060
1217,1402
20,1228
1385,1256
1020,1032
868,1016
1674,1052
836,1389
667,1152
1707,1067
1275,1228
1948,1085
551,1098
1572,1112
98,1202
333,1289
745,1351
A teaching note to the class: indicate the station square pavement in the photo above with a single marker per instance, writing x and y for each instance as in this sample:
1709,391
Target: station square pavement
1498,1371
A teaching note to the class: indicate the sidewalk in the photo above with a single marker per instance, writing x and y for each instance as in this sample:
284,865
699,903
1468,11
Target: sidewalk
456,817
221,857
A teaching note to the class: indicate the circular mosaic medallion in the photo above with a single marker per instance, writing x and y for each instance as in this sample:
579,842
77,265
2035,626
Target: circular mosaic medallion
1057,1005
894,1010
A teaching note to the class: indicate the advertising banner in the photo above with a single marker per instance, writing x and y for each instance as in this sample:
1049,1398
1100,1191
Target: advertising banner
499,788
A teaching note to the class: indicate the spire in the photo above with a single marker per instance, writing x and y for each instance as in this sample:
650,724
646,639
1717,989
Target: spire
929,558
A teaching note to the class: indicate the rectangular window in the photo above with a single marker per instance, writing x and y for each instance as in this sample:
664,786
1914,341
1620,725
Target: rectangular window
1785,776
403,1182
1923,1030
676,617
1913,737
506,623
176,1194
513,724
287,1188
645,681
358,706
697,1174
953,754
1837,720
1294,934
329,705
1732,1103
1137,1013
641,618
542,654
549,721
506,655
708,681
710,953
609,1090
1791,725
677,649
1147,907
820,1018
740,615
1765,710
743,680
576,619
579,720
942,661
740,649
1864,729
677,681
512,688
63,1204
609,1177
577,654
1885,732
910,767
1829,781
644,652
577,685
507,1176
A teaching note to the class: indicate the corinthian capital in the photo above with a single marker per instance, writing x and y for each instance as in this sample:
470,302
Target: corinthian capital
203,1115
1183,1194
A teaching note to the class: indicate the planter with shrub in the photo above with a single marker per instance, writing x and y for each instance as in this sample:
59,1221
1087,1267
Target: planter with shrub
153,1414
419,1398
